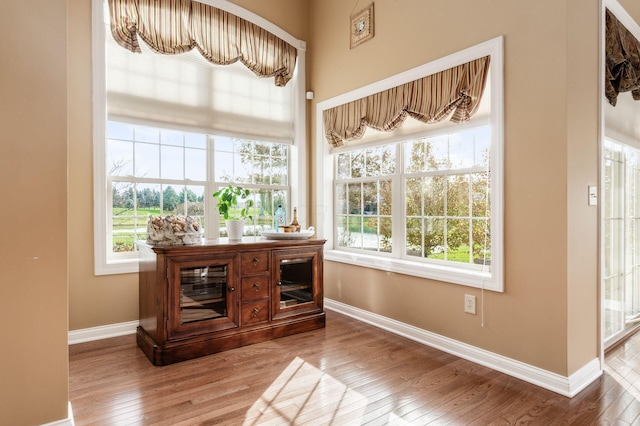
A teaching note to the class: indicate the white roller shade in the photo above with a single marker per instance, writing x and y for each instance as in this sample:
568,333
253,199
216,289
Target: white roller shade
186,91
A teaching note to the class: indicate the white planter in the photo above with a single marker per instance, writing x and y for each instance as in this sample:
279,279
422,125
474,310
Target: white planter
235,228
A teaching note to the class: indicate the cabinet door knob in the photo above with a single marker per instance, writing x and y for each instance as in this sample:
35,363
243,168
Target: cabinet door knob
255,261
232,289
279,283
255,312
256,287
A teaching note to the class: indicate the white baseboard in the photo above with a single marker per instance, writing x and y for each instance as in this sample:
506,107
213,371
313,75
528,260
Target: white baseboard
102,332
64,422
567,386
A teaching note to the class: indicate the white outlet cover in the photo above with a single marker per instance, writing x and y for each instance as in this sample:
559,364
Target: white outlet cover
470,304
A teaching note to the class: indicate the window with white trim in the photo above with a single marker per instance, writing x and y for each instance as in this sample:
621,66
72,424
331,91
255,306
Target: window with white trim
425,200
444,180
169,130
156,171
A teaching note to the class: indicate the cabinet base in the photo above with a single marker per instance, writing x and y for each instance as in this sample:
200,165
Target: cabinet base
184,349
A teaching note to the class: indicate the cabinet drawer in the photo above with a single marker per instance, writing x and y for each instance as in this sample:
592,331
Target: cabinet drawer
254,262
255,312
255,288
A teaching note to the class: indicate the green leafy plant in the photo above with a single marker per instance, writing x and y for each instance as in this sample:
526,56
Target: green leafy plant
228,198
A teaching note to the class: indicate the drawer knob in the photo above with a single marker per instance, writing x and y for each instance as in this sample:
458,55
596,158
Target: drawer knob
255,261
232,289
255,311
279,283
256,287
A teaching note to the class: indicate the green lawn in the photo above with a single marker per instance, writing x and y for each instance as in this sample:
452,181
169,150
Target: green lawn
461,254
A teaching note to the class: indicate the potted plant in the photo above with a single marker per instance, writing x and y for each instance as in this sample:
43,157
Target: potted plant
228,198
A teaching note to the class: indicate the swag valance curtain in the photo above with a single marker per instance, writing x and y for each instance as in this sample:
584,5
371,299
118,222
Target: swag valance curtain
177,26
455,92
622,63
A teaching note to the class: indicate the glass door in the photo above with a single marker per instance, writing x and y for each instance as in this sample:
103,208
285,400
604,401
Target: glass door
621,227
296,282
202,294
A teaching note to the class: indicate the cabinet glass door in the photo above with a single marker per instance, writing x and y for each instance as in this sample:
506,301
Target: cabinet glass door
203,293
201,296
296,281
296,278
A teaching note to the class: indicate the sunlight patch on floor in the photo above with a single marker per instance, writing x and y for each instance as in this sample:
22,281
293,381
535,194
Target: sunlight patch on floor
303,394
624,375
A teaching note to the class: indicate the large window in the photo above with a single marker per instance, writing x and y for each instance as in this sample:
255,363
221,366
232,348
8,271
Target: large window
156,171
169,130
425,200
445,208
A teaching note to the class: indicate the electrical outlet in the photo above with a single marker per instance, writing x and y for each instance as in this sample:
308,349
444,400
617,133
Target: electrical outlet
470,304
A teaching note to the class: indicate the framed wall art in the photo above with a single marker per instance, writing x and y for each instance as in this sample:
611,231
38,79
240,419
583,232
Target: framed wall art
362,28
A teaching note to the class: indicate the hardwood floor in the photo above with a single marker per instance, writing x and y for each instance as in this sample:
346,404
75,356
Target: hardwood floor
348,373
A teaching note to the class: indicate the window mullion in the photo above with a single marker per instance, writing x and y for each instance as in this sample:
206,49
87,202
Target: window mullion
211,222
470,215
398,212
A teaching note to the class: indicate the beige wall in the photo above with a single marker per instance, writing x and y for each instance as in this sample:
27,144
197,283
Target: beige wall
632,7
93,300
33,252
550,158
581,76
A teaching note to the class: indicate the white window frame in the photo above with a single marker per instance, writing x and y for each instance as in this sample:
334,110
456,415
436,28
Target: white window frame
103,264
325,172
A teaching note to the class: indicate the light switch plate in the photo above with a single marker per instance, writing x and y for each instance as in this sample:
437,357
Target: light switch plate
593,195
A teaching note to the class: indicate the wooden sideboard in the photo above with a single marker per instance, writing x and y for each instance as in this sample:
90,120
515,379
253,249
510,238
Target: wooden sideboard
200,299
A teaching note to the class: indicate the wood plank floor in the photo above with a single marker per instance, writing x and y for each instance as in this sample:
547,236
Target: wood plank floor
348,373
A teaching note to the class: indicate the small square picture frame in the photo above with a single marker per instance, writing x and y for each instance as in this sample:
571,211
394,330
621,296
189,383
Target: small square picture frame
361,26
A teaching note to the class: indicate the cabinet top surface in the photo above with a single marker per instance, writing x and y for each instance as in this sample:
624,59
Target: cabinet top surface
222,244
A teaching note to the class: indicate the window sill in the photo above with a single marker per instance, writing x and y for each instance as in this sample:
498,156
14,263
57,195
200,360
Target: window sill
120,266
469,278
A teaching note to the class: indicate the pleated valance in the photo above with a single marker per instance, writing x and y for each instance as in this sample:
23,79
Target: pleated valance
622,67
455,93
177,26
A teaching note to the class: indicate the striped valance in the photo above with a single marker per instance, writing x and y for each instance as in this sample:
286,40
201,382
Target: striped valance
455,93
177,26
622,70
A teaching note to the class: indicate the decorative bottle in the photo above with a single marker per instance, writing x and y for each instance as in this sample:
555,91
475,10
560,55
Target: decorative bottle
281,217
294,222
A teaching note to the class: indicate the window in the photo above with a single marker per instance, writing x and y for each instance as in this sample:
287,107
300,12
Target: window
425,200
445,206
151,171
364,198
263,167
446,187
169,130
621,223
